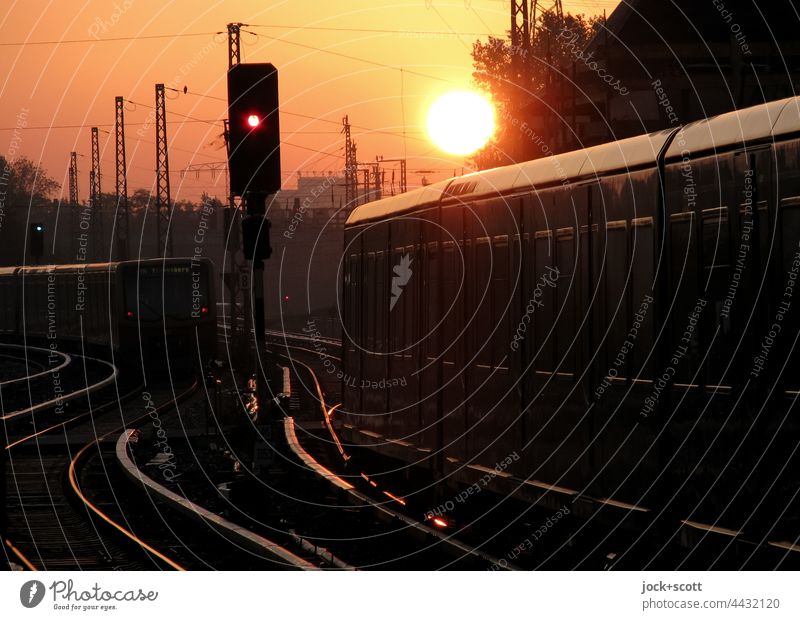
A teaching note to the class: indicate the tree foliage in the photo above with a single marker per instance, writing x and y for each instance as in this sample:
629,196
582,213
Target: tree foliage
24,183
140,200
517,78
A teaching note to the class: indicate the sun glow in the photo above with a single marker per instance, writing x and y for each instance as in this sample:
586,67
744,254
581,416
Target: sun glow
460,122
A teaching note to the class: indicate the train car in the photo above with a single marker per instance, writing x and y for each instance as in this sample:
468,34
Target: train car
618,324
136,312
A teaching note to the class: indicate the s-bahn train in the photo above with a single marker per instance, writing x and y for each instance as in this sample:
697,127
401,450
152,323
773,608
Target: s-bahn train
622,320
143,312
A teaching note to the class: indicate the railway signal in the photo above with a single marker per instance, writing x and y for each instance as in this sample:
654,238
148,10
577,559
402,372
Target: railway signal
37,240
255,237
254,165
254,157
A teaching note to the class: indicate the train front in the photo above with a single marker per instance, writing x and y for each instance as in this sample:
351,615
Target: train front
169,312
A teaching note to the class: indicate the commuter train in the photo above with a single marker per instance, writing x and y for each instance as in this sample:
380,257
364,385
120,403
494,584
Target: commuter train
145,312
622,319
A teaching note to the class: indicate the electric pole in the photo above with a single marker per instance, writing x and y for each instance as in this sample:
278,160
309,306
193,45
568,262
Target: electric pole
234,44
122,224
403,171
520,50
96,196
350,167
520,35
236,279
163,202
73,202
73,180
552,113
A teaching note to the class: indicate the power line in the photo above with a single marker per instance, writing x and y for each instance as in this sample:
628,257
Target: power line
308,116
87,125
374,30
191,118
431,33
356,58
110,39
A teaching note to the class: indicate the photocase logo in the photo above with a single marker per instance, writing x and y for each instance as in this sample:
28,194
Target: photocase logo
402,274
31,593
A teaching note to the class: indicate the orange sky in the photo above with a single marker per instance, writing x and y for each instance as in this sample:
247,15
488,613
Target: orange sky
74,84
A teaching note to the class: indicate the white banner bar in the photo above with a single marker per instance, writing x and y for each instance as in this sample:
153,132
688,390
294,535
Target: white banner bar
400,596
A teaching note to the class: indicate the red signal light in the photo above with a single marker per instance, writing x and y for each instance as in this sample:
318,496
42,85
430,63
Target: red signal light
129,314
254,140
203,310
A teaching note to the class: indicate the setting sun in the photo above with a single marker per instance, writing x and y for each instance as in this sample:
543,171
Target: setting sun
461,122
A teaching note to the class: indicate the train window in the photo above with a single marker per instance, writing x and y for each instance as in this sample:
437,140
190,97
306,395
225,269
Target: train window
715,238
451,272
359,301
565,288
790,246
616,298
642,264
482,322
369,306
382,308
432,301
541,292
764,229
351,318
178,291
716,279
500,303
410,294
684,285
398,305
790,225
517,275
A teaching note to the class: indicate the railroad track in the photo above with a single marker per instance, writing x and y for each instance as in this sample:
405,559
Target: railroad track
17,363
580,532
54,386
300,509
71,507
45,522
364,520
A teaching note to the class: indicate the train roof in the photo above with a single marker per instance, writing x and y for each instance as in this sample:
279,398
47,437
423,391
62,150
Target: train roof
400,203
92,267
624,154
737,128
734,128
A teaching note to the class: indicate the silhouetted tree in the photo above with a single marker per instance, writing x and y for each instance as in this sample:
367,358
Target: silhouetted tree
516,80
25,183
139,201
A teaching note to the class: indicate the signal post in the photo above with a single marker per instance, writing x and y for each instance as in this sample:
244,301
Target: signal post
255,173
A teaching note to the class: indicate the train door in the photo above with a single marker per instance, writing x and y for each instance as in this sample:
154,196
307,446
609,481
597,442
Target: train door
375,281
775,357
784,308
402,382
592,242
619,304
430,334
453,307
352,340
556,422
